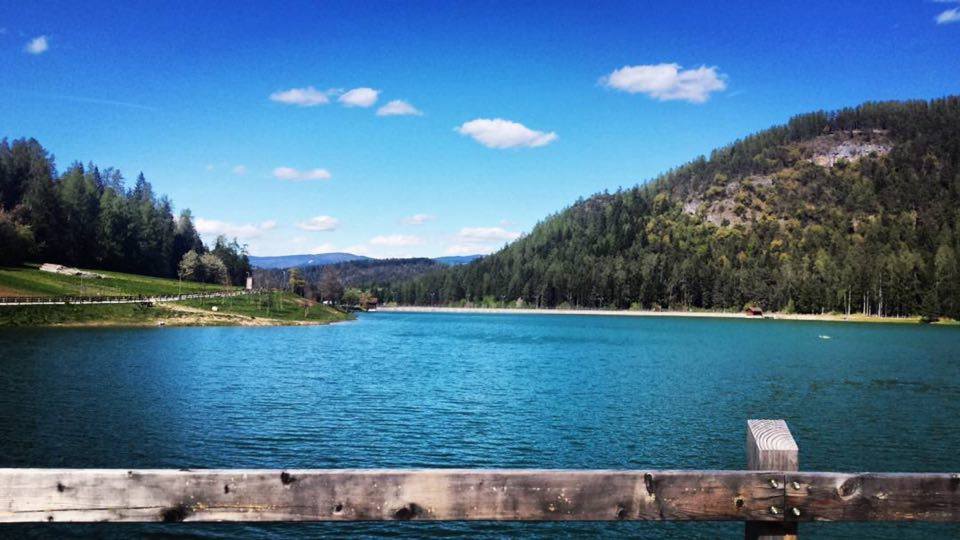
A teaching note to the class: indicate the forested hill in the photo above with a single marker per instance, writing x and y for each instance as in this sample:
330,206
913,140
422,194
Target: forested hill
361,273
87,216
855,210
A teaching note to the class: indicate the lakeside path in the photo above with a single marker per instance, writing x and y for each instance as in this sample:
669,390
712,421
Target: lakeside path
649,313
125,299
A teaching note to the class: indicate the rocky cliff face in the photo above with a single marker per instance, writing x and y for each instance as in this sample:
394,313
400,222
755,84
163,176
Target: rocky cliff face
734,201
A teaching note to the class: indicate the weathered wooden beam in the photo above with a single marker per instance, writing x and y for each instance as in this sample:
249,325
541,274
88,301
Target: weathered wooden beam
873,497
84,495
762,498
770,446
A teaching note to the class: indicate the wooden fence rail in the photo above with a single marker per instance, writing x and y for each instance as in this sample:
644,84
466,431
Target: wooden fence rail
771,502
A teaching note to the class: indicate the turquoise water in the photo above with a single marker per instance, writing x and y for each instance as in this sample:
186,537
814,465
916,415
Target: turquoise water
437,390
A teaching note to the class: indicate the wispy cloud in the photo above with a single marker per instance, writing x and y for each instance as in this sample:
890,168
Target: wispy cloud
949,16
213,227
302,97
325,247
396,240
486,234
289,173
480,240
418,219
37,45
398,107
320,223
239,170
94,101
667,82
500,133
359,97
468,249
358,249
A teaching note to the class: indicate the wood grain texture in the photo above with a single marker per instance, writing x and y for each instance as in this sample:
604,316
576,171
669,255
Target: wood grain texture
770,446
873,496
85,495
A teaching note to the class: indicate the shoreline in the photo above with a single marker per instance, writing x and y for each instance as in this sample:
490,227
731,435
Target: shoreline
173,315
179,323
855,318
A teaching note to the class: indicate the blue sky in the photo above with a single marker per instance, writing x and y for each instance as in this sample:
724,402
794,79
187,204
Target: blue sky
513,109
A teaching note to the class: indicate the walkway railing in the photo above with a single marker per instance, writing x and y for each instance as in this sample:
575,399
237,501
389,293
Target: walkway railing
128,299
772,497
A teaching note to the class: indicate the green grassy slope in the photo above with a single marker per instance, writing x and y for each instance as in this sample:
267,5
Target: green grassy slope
30,281
102,314
265,308
282,306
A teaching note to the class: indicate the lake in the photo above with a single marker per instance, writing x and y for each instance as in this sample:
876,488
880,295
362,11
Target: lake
453,390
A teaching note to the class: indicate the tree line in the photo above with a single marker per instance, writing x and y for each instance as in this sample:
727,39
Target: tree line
366,274
88,217
878,235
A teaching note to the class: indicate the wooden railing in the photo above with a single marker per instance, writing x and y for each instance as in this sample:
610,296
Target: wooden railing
772,497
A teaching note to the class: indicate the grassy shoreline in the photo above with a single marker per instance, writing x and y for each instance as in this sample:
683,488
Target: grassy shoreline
259,309
162,315
828,317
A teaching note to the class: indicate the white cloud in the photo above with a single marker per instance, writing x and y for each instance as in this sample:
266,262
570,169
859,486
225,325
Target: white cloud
500,133
949,16
480,240
212,227
486,234
398,107
418,219
396,240
302,97
289,173
359,97
326,247
240,170
358,249
37,45
469,249
320,223
667,82
209,167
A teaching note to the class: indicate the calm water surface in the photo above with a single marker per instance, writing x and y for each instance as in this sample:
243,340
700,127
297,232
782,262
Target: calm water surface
433,390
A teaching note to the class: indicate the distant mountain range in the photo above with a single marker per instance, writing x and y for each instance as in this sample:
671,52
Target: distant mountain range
323,259
456,260
316,259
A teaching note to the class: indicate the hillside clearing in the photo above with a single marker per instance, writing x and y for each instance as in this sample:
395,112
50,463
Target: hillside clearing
30,281
261,309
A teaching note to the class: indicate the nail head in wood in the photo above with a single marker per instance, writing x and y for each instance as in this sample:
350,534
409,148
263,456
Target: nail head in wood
771,447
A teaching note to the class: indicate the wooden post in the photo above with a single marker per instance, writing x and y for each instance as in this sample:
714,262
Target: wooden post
770,447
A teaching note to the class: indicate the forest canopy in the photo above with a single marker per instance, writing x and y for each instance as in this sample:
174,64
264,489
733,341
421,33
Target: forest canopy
88,217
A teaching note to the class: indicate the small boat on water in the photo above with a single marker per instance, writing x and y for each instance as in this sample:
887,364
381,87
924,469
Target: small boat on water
824,336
